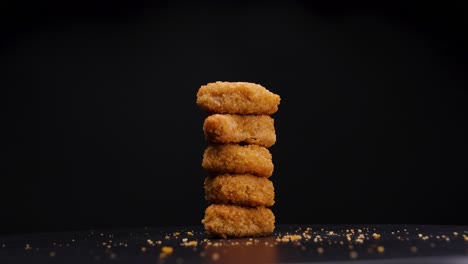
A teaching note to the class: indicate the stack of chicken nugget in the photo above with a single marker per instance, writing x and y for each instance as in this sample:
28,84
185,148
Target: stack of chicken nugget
239,130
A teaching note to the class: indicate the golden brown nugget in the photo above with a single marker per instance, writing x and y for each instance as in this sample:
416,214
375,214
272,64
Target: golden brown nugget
237,221
248,129
237,98
239,189
238,159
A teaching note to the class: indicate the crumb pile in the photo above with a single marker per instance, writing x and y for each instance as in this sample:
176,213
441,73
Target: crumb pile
239,130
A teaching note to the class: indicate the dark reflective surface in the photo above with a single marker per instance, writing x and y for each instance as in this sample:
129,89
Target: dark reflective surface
289,244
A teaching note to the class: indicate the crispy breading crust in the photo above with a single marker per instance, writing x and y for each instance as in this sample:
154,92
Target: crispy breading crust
239,189
238,159
236,221
249,129
237,98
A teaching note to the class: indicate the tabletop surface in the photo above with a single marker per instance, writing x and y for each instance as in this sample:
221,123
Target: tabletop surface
289,244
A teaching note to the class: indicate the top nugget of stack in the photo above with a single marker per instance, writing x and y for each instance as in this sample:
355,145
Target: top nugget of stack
240,98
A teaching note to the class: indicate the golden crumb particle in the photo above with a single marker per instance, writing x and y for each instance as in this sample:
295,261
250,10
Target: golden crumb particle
359,240
215,256
288,238
143,249
380,249
167,250
150,242
465,237
190,233
320,250
353,254
376,236
455,233
192,243
414,249
27,247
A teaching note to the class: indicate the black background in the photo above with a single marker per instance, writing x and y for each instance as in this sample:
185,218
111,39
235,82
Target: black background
101,129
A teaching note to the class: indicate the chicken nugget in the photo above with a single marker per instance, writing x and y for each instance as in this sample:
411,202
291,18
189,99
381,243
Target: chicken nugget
239,189
248,129
238,159
237,221
237,98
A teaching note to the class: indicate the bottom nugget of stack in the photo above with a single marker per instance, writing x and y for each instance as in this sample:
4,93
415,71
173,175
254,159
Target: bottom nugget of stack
237,221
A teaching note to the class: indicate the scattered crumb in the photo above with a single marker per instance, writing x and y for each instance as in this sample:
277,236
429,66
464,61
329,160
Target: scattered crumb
414,249
380,249
320,250
376,236
143,249
192,243
215,256
353,254
167,250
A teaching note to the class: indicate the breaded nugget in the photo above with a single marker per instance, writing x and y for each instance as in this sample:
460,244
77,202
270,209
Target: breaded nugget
240,189
249,129
236,221
237,98
238,159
